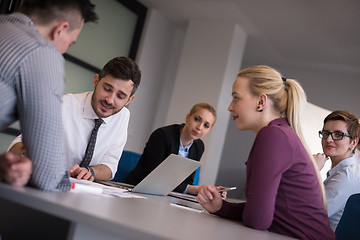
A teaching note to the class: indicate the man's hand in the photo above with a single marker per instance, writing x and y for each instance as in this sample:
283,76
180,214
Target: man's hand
14,169
80,173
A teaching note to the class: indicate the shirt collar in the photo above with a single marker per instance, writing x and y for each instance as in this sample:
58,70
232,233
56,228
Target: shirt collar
186,148
344,163
22,18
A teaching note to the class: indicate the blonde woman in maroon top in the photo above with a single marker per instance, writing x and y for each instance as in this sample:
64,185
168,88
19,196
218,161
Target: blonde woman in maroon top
284,193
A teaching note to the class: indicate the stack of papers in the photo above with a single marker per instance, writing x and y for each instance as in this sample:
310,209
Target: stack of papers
85,186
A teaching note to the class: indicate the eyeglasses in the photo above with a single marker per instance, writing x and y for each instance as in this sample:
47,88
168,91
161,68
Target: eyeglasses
336,135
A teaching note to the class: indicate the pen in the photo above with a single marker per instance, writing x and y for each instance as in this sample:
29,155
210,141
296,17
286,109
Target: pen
227,189
86,188
186,207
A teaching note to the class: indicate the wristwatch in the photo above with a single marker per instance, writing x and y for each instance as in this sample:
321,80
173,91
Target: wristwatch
91,170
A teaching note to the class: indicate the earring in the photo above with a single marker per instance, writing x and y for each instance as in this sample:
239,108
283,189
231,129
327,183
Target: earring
258,109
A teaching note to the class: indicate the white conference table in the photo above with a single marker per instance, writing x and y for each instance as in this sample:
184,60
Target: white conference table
28,213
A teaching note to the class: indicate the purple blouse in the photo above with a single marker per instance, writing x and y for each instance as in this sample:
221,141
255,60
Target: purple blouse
282,191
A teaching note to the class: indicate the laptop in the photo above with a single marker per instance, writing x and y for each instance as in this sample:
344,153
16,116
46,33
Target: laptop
167,176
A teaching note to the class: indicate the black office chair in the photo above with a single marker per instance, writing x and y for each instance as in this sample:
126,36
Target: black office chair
349,224
127,163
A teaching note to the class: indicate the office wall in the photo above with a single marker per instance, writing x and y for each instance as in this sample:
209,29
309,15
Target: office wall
327,87
158,58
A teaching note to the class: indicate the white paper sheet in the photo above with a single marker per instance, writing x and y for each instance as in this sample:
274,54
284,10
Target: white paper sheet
84,186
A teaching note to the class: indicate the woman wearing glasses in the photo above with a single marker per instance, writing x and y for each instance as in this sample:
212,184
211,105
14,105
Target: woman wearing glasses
339,139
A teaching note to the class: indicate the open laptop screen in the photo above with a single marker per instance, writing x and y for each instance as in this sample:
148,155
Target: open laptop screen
167,176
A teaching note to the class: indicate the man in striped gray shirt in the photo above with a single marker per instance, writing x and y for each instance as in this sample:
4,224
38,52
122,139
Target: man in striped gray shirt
32,42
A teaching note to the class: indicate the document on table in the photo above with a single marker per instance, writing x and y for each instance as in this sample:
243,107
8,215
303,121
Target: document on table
85,186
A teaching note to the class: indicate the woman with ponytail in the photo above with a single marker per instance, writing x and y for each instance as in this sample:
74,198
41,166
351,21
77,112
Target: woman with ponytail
284,192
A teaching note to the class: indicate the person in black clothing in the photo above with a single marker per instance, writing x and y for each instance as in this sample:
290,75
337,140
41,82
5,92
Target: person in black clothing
181,139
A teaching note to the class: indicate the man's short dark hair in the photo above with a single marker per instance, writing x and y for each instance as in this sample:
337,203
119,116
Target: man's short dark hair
123,68
61,10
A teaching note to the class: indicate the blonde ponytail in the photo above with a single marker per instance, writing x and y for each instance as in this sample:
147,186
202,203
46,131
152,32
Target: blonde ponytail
288,98
296,103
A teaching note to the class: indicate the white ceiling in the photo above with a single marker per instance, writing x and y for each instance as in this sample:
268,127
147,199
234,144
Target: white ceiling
309,33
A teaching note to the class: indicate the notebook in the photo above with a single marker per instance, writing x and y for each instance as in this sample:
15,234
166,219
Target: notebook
167,176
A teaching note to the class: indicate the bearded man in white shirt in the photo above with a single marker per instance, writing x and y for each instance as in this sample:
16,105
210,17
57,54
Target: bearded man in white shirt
114,89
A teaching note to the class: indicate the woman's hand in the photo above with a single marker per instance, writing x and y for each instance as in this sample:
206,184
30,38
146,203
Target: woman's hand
223,193
210,198
195,189
320,160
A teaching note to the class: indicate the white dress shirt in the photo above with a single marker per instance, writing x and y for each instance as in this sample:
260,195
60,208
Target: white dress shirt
78,120
343,180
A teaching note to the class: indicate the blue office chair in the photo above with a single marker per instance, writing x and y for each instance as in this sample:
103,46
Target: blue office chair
349,224
127,163
197,176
